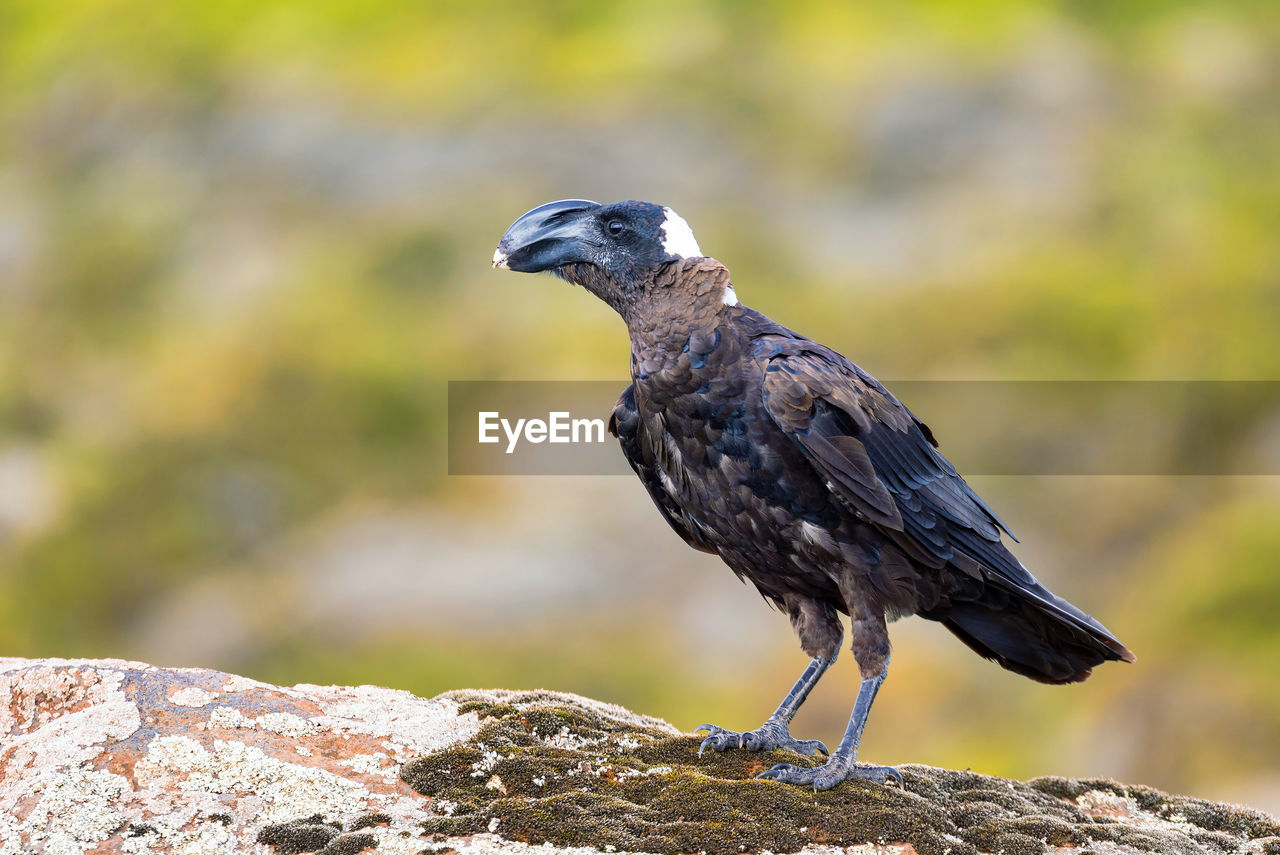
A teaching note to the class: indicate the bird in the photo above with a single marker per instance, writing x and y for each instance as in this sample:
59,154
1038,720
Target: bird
803,473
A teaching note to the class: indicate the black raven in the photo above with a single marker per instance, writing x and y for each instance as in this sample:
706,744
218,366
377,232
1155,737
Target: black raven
803,473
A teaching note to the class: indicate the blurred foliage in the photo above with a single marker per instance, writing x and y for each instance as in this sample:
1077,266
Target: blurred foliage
243,247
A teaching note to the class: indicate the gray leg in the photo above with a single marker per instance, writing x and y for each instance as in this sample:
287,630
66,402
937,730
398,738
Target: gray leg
843,764
775,732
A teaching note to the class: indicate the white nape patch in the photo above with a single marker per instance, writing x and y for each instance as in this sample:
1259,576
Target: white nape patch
499,259
730,297
677,237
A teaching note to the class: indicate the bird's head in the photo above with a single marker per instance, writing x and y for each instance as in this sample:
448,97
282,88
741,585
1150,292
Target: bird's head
612,250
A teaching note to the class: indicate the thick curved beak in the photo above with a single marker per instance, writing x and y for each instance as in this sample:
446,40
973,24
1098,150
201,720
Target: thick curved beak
548,236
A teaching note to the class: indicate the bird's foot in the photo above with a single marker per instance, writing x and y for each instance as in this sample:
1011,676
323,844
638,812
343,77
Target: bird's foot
832,772
768,736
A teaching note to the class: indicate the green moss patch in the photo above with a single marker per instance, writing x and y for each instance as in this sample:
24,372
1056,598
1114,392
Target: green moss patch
315,835
542,769
546,769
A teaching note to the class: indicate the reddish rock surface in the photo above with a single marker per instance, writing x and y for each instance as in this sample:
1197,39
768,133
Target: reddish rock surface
122,756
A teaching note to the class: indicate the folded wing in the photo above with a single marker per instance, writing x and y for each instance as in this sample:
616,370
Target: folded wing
883,463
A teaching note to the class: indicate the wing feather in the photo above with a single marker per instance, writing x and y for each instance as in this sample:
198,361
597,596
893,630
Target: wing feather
882,461
625,423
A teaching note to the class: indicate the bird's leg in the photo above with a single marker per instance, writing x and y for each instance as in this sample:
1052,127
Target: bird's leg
775,732
818,626
843,764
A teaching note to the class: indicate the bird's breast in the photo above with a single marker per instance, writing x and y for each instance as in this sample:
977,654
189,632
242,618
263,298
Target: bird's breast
720,455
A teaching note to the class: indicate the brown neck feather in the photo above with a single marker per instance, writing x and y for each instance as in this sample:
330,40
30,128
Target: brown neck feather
664,310
683,296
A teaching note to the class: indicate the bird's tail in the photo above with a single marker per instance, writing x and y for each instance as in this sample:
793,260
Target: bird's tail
1033,633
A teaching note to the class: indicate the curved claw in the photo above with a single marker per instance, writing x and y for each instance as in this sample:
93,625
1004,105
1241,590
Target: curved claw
775,773
718,739
710,728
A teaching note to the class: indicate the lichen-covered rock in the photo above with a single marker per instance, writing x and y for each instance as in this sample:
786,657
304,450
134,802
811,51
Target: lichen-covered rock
111,756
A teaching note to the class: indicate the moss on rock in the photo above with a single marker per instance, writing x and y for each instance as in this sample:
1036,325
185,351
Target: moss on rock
316,835
548,768
303,835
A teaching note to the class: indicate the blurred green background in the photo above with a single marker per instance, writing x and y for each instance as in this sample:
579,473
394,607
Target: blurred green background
244,246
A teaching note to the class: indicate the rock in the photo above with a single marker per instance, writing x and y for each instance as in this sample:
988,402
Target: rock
113,756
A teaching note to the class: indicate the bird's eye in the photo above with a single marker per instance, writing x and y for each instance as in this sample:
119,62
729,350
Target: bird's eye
615,227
